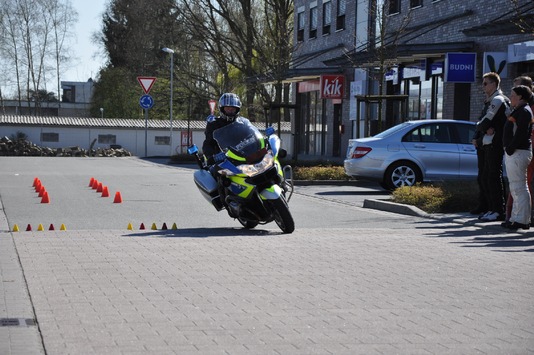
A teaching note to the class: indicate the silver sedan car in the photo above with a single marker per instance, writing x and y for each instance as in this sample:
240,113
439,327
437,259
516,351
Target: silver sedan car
415,151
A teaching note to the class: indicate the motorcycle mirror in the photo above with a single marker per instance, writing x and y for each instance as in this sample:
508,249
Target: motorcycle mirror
269,131
192,149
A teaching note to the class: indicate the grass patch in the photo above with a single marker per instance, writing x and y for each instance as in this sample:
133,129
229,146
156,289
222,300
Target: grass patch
446,197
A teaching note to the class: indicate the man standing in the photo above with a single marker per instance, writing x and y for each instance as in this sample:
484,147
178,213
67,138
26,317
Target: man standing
491,125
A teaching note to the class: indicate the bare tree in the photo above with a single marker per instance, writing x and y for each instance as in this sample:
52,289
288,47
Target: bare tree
30,30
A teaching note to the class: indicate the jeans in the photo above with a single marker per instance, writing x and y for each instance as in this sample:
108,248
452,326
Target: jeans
516,170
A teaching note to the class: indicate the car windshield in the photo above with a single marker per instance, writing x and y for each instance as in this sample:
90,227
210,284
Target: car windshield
242,136
392,130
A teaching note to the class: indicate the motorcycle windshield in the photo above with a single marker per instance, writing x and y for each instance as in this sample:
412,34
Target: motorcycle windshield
241,136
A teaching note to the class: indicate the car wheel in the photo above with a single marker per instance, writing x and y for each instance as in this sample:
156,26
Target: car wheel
402,173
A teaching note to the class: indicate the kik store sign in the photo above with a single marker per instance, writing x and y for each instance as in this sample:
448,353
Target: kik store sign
332,87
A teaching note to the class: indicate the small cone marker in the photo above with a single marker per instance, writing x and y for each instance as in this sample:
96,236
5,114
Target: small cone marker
154,228
28,228
42,190
174,226
142,226
118,197
62,228
95,184
105,191
51,228
99,188
45,198
91,182
164,227
130,227
40,227
38,186
35,182
15,228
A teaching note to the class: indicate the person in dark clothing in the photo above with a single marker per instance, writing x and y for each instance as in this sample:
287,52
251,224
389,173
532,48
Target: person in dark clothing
518,148
491,127
229,107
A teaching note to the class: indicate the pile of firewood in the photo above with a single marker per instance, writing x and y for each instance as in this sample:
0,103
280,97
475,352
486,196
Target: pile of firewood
23,147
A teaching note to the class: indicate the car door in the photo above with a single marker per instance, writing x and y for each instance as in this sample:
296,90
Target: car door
433,146
468,153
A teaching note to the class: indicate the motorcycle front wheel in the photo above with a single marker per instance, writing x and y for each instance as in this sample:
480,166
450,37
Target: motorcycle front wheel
282,216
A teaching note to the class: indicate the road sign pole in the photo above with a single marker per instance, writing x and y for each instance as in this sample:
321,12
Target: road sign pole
146,132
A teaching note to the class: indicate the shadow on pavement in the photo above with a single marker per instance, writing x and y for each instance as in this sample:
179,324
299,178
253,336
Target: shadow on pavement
203,233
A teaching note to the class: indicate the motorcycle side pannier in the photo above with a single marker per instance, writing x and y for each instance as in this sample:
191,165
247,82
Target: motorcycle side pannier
208,187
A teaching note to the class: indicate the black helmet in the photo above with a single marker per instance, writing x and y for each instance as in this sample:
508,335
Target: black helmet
229,100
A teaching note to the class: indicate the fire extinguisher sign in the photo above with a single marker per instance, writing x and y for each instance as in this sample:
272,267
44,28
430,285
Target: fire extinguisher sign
332,87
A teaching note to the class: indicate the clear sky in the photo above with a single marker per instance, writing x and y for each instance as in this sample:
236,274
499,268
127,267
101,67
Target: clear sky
86,58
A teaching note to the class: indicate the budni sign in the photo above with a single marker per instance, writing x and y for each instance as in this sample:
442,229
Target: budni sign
332,86
460,67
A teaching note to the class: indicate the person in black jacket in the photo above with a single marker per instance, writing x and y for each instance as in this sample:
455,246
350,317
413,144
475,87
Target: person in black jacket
518,148
490,128
229,107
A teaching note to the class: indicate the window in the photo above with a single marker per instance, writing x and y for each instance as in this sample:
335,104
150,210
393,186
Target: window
162,140
416,3
394,7
107,139
313,22
49,137
340,20
327,17
300,30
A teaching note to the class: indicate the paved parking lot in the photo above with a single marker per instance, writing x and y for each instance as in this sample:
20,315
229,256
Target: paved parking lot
380,283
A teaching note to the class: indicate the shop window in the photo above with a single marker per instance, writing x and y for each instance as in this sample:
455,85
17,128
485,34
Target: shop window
107,139
416,3
394,7
327,17
313,22
49,137
340,20
300,29
162,140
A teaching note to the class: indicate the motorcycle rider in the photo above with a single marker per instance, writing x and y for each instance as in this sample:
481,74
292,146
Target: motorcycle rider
229,107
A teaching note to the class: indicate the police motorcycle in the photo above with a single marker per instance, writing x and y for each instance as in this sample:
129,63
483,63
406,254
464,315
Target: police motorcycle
251,179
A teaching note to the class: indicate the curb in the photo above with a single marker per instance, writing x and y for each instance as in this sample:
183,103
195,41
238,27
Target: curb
395,208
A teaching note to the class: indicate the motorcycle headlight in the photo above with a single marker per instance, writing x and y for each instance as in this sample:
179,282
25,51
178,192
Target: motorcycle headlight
258,168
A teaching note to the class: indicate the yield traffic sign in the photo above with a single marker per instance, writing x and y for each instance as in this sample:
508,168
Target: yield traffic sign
146,82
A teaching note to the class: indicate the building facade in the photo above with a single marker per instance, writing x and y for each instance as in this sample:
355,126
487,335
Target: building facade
399,60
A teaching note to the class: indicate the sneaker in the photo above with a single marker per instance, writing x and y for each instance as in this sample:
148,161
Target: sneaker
491,217
483,215
478,210
516,226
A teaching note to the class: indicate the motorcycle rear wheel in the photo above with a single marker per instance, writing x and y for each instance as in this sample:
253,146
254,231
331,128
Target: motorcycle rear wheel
282,216
246,223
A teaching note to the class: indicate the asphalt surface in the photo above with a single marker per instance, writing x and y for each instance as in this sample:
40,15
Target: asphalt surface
349,280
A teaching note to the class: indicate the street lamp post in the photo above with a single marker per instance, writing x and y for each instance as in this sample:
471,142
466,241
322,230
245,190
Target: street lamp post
171,52
101,112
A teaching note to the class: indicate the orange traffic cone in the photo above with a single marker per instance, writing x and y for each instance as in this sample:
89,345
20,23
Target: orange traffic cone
45,198
118,197
95,184
99,188
38,186
42,190
105,191
35,182
91,182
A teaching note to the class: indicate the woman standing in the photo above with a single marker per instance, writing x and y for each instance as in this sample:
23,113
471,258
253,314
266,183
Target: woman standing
518,148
